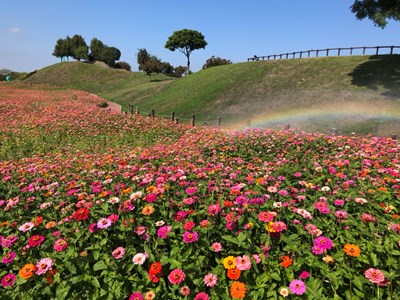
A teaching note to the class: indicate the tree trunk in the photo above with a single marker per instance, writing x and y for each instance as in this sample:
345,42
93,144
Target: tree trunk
188,65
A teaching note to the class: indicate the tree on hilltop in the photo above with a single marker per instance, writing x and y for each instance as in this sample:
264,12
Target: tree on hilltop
378,11
216,61
142,57
79,48
96,46
186,40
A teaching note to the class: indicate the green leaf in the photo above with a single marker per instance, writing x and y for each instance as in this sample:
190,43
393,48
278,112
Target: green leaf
275,276
100,265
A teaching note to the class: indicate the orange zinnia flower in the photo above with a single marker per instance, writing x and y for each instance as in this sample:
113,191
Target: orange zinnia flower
238,290
233,273
27,271
352,250
286,261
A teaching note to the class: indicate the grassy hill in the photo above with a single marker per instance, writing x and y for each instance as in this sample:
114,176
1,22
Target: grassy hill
355,93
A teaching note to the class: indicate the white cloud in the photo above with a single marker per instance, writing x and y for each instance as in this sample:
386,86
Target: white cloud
15,30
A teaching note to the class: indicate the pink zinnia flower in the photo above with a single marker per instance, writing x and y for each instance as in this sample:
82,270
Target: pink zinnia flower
60,245
278,226
139,259
104,223
8,279
151,198
44,265
136,296
163,231
191,190
118,253
185,290
35,240
188,225
26,227
201,296
176,276
297,287
213,209
210,280
217,247
374,275
190,237
9,257
304,275
266,216
243,262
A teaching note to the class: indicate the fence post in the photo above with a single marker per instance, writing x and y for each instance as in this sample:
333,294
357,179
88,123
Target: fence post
219,121
308,56
153,113
351,50
317,53
301,54
129,108
172,116
193,120
137,110
363,50
391,50
176,121
327,52
338,52
377,50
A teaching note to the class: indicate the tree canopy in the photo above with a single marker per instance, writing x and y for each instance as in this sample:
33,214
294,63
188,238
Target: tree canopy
378,11
186,40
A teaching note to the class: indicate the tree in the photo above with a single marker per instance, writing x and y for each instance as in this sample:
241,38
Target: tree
96,46
63,48
378,11
216,61
109,55
79,48
142,56
151,66
122,65
186,41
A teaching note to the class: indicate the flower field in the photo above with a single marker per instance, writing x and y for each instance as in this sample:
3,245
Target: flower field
100,205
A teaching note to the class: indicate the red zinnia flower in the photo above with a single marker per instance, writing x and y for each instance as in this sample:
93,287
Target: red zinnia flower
36,240
81,214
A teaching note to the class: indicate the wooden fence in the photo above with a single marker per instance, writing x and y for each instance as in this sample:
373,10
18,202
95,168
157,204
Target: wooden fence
328,52
172,117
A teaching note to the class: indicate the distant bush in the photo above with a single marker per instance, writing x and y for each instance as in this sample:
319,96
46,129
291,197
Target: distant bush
123,65
103,104
216,61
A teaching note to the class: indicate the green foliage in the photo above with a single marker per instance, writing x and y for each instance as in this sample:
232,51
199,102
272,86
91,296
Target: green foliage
109,55
79,48
186,41
142,57
378,11
96,46
216,61
122,65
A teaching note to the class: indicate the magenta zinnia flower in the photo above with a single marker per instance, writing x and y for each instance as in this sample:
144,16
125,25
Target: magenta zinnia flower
297,287
374,275
8,279
323,243
210,280
190,237
35,240
136,296
8,258
163,231
176,276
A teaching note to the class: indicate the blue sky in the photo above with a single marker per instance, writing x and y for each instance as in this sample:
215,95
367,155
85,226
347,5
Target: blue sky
233,29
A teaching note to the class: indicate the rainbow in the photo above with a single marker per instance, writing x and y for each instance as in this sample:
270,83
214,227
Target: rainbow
349,112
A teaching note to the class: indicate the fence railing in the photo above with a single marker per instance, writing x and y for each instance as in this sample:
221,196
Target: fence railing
330,52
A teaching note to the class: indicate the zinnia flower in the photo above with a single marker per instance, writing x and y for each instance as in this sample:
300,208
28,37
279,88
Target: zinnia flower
243,262
163,231
352,250
233,273
217,247
210,280
238,290
9,257
229,262
81,214
44,265
374,275
60,245
26,227
8,279
150,295
286,261
136,296
201,296
176,276
27,271
118,253
284,292
297,287
35,240
185,290
190,236
140,258
104,223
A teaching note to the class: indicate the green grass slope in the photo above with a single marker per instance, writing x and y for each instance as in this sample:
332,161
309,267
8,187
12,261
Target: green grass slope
354,93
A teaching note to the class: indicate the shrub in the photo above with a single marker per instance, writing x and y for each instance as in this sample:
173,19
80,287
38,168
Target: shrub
216,61
123,65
